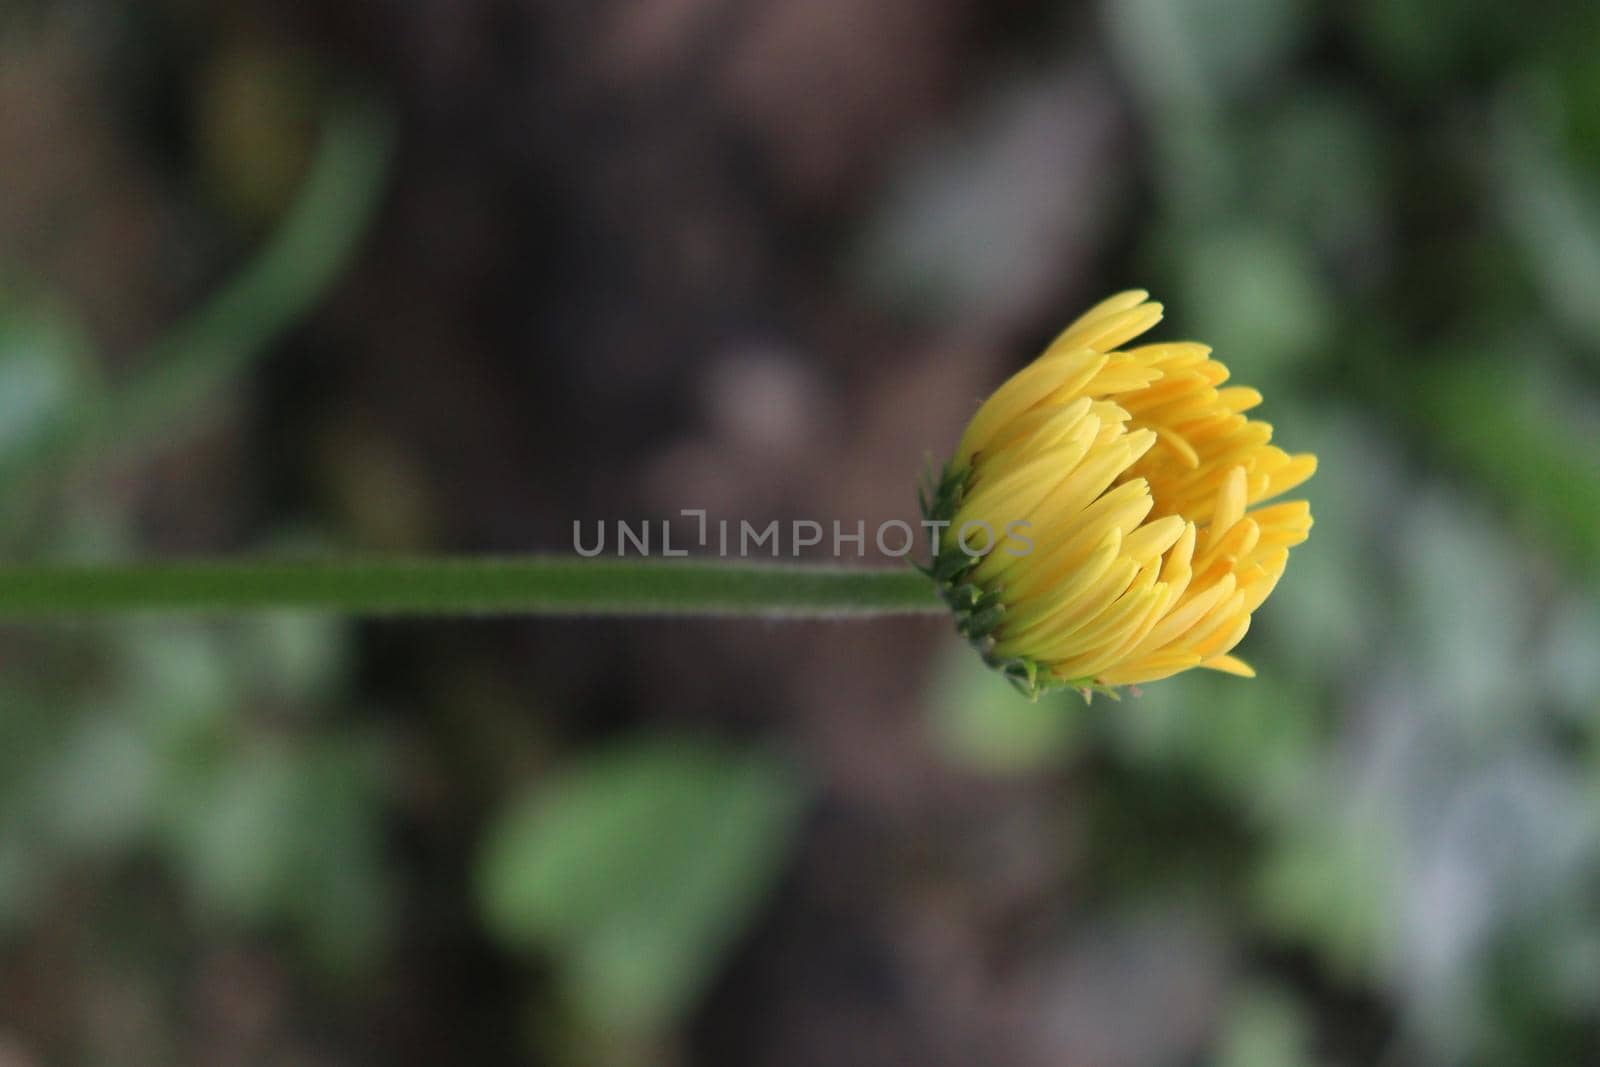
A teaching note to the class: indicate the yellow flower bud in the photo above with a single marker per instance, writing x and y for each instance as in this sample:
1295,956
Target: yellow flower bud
1103,513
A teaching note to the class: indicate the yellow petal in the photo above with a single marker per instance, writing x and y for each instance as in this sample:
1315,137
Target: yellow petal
1230,665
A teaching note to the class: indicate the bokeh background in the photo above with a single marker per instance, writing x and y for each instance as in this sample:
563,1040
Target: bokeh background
447,275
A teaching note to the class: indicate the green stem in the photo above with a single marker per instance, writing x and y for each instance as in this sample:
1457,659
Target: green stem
536,585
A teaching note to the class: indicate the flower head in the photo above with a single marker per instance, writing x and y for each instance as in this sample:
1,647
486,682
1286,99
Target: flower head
1102,510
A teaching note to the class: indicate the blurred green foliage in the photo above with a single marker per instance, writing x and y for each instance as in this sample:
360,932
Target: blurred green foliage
636,867
1412,773
193,743
210,752
179,381
45,370
1266,1028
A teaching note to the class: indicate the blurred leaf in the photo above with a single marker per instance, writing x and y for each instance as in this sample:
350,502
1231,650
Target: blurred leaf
45,370
1566,663
295,660
1255,742
342,889
1183,51
1323,618
32,730
1332,882
288,836
1187,61
175,678
1256,295
1410,37
1529,438
237,838
1552,211
979,720
102,789
1579,82
1475,662
309,251
1323,165
1425,44
1265,1027
636,869
1563,958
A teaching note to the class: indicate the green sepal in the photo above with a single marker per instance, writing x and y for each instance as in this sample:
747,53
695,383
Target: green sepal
978,610
976,626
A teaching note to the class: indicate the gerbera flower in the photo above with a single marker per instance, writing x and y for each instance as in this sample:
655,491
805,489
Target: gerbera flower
1099,524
